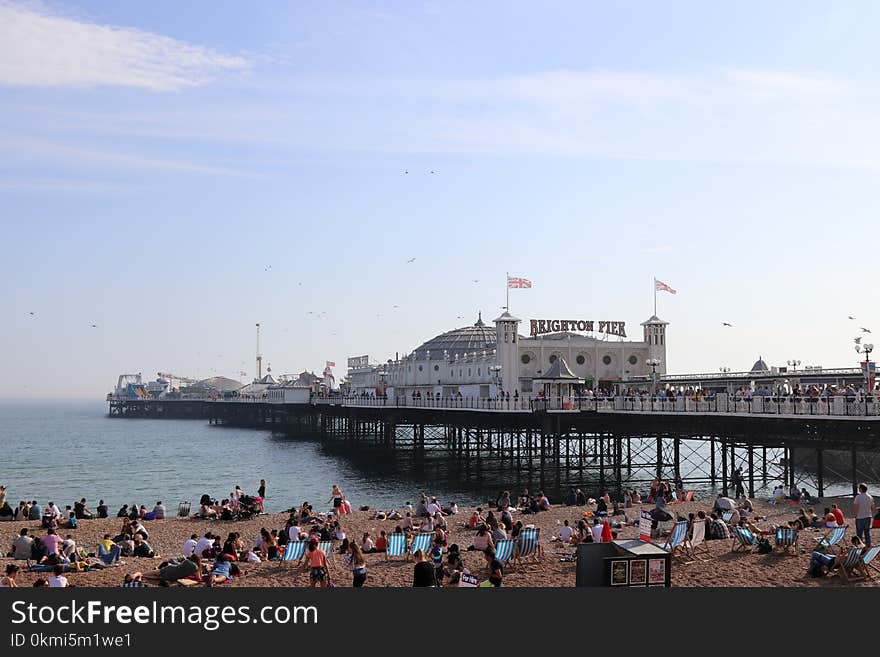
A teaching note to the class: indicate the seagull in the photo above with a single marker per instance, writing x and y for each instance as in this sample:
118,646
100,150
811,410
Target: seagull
850,317
432,171
268,268
406,171
857,340
726,324
476,280
395,306
864,330
94,326
31,314
410,260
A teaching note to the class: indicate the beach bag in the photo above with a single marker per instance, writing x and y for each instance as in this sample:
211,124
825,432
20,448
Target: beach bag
764,546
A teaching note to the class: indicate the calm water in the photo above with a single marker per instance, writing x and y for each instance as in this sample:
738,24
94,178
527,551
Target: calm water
66,450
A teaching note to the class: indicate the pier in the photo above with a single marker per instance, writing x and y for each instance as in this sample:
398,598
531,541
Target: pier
596,444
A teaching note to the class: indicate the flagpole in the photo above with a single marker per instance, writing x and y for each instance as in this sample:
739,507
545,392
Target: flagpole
655,297
507,287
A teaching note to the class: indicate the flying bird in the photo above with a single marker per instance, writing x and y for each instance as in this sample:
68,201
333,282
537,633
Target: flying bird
410,260
476,280
406,171
395,306
857,340
850,317
268,268
31,314
864,330
94,326
726,324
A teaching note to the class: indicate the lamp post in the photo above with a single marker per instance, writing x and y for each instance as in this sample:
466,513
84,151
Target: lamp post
793,364
866,349
654,363
496,372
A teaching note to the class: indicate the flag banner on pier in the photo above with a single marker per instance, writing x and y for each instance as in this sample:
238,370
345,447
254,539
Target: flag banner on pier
663,287
515,282
331,363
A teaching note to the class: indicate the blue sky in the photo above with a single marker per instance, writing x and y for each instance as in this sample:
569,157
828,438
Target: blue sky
176,172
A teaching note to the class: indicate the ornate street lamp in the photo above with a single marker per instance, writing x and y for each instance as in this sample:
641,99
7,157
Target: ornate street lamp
654,363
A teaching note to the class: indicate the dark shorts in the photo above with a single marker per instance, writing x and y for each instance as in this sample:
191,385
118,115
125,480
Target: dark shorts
337,502
319,574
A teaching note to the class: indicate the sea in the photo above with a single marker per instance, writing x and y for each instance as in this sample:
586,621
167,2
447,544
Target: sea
65,450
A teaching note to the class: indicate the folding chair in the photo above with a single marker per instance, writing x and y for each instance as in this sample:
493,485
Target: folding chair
851,565
294,551
183,510
396,545
786,540
743,540
423,541
675,544
727,516
504,549
697,542
832,538
528,544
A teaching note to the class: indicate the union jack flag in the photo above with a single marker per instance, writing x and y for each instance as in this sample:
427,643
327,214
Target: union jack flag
517,283
663,287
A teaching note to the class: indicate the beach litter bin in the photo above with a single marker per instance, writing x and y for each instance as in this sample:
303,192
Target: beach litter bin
625,562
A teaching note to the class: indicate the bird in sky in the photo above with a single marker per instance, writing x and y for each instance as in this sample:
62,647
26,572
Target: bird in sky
857,340
406,171
432,171
864,330
850,317
410,260
476,280
268,268
31,314
94,326
459,317
726,324
395,306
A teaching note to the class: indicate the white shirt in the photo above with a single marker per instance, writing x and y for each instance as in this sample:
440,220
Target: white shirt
565,533
204,544
293,533
189,547
862,504
59,581
597,533
433,508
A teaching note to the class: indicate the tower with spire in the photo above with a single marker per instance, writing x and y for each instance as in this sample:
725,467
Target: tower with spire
655,338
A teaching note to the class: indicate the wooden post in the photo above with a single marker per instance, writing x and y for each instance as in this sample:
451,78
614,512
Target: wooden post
820,476
724,468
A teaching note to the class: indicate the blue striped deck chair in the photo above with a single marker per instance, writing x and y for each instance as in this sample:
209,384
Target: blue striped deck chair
504,549
327,546
675,544
832,538
396,545
727,516
423,541
528,544
786,540
294,551
743,540
851,565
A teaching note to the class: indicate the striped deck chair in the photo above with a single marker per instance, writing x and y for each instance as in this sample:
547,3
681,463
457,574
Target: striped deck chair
528,544
504,549
832,538
849,569
727,516
786,540
696,544
423,541
294,551
743,540
396,546
676,543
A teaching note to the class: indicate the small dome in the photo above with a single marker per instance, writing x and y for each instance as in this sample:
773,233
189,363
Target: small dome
760,366
459,342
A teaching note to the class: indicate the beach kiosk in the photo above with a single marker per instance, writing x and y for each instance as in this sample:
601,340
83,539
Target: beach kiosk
557,383
630,562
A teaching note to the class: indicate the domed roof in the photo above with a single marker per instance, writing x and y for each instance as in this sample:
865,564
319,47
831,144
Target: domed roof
760,366
458,342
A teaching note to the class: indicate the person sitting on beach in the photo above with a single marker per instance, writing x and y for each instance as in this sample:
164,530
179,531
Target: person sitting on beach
221,572
8,581
35,512
506,519
132,581
821,563
142,548
838,515
423,571
717,528
427,525
422,508
407,523
565,533
475,520
58,580
450,510
524,499
434,507
367,544
159,511
189,545
482,539
394,514
205,546
440,522
138,528
6,512
134,512
496,568
830,519
584,535
498,534
51,541
102,509
382,542
81,511
503,501
123,511
491,521
22,545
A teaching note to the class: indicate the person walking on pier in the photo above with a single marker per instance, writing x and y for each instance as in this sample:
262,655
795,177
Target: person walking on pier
863,510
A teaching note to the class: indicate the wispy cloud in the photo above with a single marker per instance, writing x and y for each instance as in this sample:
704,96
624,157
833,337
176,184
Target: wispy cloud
39,47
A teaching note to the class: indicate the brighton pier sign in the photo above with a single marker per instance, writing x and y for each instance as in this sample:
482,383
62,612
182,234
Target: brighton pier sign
542,326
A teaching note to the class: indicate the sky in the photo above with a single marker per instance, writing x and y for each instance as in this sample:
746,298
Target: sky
173,173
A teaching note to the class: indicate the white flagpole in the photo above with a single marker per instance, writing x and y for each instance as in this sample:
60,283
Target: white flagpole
655,297
507,287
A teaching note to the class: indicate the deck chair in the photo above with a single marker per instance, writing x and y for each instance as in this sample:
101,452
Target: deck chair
743,540
727,516
786,540
696,544
849,569
294,551
396,545
675,544
421,541
183,510
832,538
528,545
504,549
